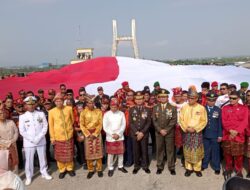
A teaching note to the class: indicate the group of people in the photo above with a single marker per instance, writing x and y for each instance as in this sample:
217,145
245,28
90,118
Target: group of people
196,127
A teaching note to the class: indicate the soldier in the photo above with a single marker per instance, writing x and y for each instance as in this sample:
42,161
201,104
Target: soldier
149,102
212,134
47,105
223,99
121,94
22,96
165,119
33,127
140,121
128,154
157,88
99,97
242,91
51,96
41,96
214,86
205,86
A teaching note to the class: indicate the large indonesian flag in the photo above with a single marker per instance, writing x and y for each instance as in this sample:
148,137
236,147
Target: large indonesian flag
110,72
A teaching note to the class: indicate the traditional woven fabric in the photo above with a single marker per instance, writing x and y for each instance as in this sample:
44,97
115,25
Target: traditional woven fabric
93,148
233,148
193,147
247,147
116,147
13,156
178,136
64,150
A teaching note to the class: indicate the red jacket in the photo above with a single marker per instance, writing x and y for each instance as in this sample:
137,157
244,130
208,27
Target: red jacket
248,128
236,118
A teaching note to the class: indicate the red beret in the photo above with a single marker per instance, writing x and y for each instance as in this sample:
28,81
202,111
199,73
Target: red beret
177,91
215,83
125,83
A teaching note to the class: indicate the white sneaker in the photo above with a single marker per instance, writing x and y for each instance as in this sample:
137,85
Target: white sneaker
27,182
47,177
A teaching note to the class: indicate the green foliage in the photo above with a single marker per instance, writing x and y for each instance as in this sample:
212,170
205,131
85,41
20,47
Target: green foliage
26,70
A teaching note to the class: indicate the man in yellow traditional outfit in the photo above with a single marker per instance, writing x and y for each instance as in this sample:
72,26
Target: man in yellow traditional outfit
193,119
61,135
91,126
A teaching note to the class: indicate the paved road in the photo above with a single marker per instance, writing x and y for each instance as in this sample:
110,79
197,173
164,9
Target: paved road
140,181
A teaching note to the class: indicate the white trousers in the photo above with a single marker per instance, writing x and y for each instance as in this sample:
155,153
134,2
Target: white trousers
29,163
111,161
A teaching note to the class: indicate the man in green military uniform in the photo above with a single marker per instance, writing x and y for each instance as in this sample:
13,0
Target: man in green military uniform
242,91
157,88
165,119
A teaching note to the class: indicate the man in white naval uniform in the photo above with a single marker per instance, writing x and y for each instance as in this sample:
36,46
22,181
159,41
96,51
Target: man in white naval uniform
33,127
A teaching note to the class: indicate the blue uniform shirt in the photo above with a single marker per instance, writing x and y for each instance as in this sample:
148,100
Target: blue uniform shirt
213,128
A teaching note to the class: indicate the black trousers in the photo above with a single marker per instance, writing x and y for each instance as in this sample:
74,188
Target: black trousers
80,154
140,149
128,154
19,144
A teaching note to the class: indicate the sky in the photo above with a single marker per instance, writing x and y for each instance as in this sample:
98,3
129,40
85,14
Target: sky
37,31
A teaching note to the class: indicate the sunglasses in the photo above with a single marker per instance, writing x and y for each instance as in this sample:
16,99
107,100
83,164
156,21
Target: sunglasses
211,100
69,94
223,89
233,98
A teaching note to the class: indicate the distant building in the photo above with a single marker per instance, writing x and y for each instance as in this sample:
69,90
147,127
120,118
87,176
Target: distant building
44,65
83,54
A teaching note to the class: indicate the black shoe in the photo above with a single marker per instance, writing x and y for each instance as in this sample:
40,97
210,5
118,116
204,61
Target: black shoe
123,170
147,170
188,173
100,174
202,169
239,174
72,173
84,166
110,173
227,174
62,175
172,172
217,172
159,171
198,174
135,171
90,174
248,175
